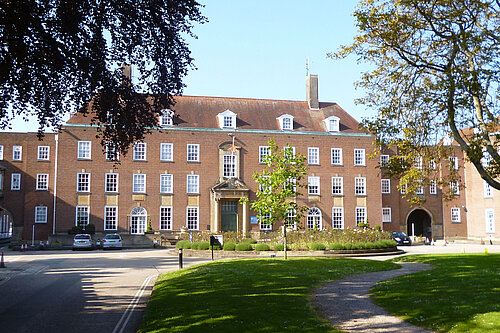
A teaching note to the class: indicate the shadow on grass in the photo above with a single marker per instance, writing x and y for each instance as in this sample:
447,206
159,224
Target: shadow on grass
461,294
264,295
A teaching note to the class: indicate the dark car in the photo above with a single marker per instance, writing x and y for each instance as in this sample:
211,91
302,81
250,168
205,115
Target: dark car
401,238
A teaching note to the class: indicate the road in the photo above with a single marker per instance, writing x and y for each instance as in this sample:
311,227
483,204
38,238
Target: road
95,291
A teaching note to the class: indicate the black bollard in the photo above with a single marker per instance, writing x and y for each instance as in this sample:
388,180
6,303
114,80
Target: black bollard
180,258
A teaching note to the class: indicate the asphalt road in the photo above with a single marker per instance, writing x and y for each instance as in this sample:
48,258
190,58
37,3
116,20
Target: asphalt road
95,291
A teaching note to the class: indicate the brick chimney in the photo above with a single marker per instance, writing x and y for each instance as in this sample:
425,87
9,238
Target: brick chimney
312,91
126,74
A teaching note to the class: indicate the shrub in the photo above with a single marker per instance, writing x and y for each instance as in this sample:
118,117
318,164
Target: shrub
318,246
280,247
250,241
216,247
244,247
183,244
194,246
229,246
371,245
377,227
348,246
336,246
262,247
204,245
359,246
76,229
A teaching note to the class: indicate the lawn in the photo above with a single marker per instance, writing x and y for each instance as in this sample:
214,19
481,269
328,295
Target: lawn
461,294
249,295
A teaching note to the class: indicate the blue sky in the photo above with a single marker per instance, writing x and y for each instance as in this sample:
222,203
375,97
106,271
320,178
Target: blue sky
258,49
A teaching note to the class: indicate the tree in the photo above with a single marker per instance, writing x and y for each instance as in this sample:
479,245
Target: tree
278,182
60,56
435,74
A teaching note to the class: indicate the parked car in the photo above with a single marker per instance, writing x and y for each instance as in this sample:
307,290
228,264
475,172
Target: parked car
401,238
112,241
83,241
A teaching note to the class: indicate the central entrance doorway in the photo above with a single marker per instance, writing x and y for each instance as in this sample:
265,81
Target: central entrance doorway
229,215
138,217
420,222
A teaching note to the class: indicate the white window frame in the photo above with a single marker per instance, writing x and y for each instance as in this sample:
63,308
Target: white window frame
166,152
313,185
432,165
292,149
419,162
229,166
338,218
265,226
140,151
15,182
486,159
338,181
189,217
166,118
488,190
193,152
110,217
386,215
83,182
489,218
360,215
85,214
313,155
455,188
84,150
455,215
385,186
193,184
111,182
17,153
336,156
384,160
1,152
433,187
41,213
166,183
360,186
112,151
227,119
139,183
420,190
311,214
454,162
359,157
166,217
263,152
332,124
42,184
402,188
286,122
43,153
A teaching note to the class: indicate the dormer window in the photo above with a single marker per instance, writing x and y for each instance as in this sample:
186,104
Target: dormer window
166,118
227,119
286,122
332,124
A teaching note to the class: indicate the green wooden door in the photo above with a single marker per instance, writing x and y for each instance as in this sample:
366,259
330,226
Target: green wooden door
229,215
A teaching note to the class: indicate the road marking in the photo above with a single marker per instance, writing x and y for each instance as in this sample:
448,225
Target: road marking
122,323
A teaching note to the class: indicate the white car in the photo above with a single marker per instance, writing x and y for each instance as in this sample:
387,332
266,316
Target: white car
83,241
112,241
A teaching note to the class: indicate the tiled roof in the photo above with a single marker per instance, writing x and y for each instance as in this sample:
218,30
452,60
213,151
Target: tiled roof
258,114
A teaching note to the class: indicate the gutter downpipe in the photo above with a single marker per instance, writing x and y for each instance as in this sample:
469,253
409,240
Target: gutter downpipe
55,185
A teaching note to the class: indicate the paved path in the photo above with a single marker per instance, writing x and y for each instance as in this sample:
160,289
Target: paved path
346,303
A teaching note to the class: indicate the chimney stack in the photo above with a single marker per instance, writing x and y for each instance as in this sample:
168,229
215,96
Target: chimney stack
312,91
126,74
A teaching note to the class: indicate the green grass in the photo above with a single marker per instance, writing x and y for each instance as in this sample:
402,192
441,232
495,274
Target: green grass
461,294
250,295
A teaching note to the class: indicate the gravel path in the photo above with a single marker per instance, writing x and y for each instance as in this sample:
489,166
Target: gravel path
346,303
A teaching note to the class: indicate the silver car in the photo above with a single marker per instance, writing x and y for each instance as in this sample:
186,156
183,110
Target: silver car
83,241
112,241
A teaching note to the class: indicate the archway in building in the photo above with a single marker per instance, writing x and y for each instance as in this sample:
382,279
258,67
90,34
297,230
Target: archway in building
138,217
6,224
419,223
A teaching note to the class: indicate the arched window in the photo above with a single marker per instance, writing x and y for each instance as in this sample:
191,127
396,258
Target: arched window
314,219
138,217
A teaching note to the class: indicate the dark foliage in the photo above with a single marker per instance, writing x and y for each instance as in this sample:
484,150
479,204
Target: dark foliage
61,55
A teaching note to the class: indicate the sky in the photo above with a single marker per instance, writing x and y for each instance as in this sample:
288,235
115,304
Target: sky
259,49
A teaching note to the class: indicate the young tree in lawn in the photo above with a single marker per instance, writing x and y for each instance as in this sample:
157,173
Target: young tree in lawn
63,56
435,74
284,173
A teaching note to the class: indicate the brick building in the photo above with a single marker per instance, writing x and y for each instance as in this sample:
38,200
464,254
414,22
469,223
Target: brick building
186,176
